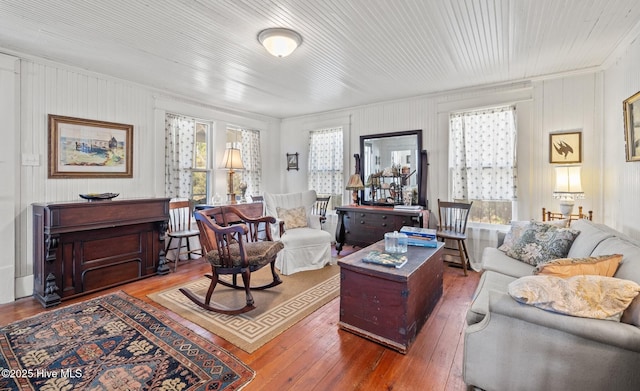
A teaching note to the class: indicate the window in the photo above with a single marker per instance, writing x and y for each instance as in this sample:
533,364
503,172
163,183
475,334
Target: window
326,163
482,162
199,171
248,141
187,173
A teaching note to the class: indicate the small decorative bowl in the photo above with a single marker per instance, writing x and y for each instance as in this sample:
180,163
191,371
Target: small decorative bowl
99,196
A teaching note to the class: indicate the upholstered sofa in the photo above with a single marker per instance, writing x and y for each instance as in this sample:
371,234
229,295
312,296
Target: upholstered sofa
512,346
306,245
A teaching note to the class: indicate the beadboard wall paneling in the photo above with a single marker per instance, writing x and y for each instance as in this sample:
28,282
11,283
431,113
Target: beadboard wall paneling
9,162
570,102
47,88
621,179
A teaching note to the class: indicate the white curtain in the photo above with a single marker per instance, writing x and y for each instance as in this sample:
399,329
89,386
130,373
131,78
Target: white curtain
483,154
326,163
252,174
179,133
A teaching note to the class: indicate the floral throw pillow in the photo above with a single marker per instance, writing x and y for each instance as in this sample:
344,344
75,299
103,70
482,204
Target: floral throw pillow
293,218
541,242
518,227
586,296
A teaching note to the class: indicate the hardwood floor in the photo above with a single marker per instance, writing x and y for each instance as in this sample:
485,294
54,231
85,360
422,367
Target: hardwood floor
315,355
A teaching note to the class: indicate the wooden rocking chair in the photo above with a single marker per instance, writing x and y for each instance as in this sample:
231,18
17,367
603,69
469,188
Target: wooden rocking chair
230,241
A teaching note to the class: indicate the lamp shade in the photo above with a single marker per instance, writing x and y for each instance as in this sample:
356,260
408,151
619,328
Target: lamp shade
355,183
568,182
280,42
232,159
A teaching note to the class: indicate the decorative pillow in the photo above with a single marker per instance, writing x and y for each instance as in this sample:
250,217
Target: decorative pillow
293,218
586,296
542,242
518,227
603,265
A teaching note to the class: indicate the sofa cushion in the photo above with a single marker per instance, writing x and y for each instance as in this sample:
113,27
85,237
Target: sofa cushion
541,242
489,281
590,236
293,218
518,228
497,261
629,269
585,296
604,265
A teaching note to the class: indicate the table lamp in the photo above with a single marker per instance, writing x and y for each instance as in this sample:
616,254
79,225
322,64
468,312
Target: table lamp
568,188
232,160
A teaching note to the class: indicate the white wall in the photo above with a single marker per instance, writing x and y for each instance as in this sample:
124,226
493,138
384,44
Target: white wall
621,179
571,102
9,94
47,88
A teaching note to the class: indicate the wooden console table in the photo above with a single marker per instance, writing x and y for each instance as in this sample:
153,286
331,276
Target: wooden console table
364,225
81,247
389,305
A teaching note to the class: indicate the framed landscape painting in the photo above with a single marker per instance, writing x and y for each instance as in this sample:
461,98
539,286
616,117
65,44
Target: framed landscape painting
631,109
83,148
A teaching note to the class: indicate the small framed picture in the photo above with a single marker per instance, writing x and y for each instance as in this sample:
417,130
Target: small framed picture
565,147
631,109
292,161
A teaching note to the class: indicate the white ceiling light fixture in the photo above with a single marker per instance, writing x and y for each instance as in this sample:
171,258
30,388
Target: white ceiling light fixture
280,42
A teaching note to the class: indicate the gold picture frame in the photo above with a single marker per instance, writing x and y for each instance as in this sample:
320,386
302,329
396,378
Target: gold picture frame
84,148
565,147
631,110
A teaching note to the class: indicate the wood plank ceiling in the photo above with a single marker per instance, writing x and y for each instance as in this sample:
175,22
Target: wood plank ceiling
354,52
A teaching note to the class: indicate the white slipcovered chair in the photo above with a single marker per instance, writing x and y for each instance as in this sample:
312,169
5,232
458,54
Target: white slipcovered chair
306,245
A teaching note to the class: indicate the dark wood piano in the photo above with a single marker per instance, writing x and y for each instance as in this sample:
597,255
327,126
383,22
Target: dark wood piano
81,247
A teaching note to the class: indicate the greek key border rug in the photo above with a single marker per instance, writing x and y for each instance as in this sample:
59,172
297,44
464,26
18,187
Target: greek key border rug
277,308
113,342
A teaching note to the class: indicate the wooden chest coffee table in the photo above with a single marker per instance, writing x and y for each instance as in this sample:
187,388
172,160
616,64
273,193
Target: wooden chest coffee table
389,305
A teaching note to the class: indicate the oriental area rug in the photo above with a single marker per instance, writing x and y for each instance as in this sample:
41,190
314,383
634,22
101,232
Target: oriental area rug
277,308
113,342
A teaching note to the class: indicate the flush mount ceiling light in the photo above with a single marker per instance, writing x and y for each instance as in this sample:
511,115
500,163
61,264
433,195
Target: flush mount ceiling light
280,42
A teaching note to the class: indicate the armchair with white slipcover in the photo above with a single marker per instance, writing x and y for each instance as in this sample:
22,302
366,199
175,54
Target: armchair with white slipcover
306,245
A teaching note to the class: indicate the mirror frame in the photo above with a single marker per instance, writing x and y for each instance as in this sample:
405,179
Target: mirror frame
421,167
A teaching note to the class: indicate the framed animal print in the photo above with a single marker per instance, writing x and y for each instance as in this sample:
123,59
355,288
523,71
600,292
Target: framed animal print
565,147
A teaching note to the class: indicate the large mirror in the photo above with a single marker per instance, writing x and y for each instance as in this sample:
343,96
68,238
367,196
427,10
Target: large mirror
393,168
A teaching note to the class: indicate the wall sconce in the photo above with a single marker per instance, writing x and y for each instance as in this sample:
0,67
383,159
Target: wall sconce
232,160
280,42
568,187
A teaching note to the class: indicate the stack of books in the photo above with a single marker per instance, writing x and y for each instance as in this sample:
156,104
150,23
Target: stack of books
422,237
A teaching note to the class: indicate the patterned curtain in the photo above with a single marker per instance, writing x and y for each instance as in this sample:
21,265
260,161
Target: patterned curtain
483,154
325,162
178,155
252,174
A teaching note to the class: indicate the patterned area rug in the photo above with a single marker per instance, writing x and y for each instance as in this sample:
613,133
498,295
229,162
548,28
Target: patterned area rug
277,308
114,342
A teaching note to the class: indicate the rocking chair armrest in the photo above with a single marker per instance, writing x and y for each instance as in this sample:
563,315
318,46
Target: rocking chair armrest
239,228
261,219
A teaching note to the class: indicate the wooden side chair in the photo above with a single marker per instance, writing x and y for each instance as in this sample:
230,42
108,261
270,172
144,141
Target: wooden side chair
452,226
179,229
320,207
233,249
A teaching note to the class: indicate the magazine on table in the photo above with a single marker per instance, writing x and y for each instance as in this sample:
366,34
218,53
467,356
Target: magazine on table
385,259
